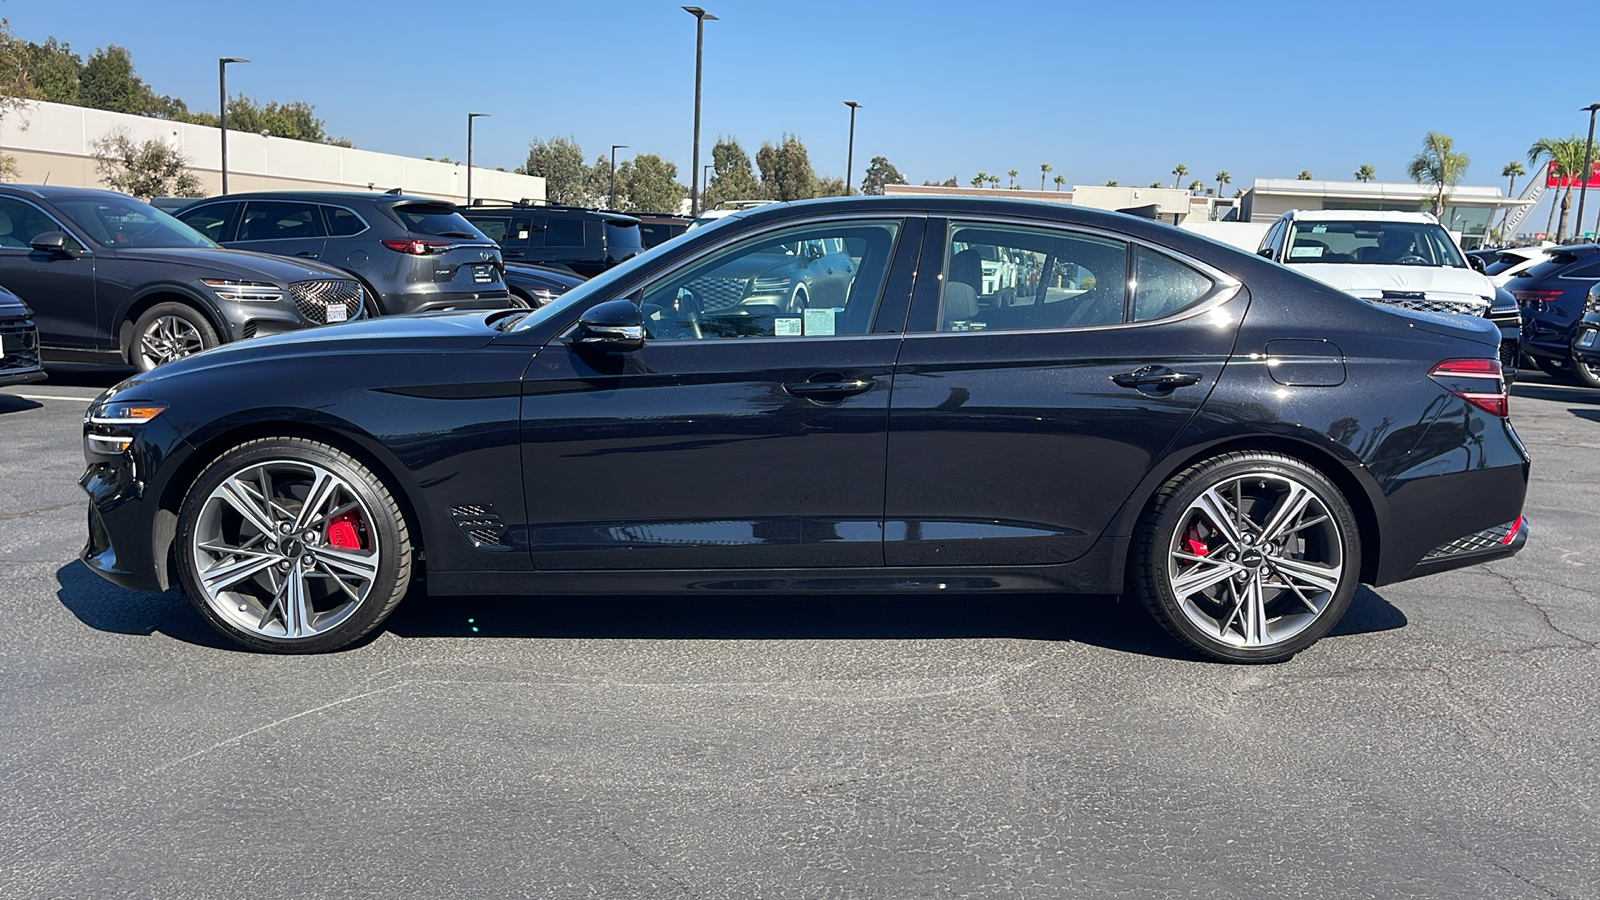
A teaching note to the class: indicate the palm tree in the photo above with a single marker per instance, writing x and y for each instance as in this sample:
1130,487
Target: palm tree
1059,180
1567,154
1365,173
1179,172
1439,165
1044,169
994,181
980,179
1196,186
1013,176
1111,183
1223,178
1511,171
1156,184
1305,175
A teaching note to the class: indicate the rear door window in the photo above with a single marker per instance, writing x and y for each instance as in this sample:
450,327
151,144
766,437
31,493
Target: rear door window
280,220
1019,277
563,233
342,222
1588,271
1163,286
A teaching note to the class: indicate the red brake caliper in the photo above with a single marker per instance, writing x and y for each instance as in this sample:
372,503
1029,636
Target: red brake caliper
1191,538
344,531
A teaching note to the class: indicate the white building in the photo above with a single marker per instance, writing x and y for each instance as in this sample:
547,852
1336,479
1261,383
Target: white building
52,143
1172,205
1468,212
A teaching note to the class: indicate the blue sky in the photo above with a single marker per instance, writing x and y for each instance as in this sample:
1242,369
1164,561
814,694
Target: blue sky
1116,90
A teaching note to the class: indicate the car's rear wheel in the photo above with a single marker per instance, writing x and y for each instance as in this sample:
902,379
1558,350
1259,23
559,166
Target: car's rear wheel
1585,374
291,546
169,331
1248,557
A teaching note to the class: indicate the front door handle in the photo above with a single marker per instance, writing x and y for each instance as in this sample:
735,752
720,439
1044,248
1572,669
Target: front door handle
1158,378
306,254
826,391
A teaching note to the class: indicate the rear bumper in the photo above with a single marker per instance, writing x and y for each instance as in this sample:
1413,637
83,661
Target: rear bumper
21,376
434,301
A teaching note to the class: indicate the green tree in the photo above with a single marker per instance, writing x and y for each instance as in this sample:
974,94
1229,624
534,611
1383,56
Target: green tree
1365,173
1223,178
108,82
994,182
1196,186
559,162
732,177
296,120
1439,165
1111,183
786,170
1012,174
879,173
1567,154
1178,174
150,169
1511,170
980,179
53,71
830,187
1305,175
14,87
948,182
1044,169
648,183
1059,180
1156,184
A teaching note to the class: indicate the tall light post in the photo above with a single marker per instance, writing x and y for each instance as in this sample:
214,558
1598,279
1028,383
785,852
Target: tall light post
850,155
614,149
222,118
700,17
1588,151
470,117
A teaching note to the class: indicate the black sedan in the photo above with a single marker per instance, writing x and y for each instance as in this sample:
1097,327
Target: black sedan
1148,411
19,342
533,286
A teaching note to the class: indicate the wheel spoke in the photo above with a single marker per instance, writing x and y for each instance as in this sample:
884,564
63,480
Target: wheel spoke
1323,578
238,496
1222,515
224,575
334,576
1287,511
296,605
1201,577
354,564
322,490
1255,613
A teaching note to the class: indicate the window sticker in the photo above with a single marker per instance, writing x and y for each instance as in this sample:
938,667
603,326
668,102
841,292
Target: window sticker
819,322
786,326
1318,229
1305,252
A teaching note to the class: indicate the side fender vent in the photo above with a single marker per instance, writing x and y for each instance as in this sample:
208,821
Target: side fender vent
481,526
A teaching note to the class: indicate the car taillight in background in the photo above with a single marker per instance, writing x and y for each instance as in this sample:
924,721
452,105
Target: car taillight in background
1535,300
417,247
1480,382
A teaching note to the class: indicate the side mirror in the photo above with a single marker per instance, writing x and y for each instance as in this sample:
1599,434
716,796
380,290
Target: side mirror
1476,263
1265,251
55,243
615,326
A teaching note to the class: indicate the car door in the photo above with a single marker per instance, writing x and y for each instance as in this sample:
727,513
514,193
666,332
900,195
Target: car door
748,438
1022,420
58,287
282,228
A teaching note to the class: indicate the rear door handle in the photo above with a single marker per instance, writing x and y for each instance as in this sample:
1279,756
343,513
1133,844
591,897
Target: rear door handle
1154,377
824,391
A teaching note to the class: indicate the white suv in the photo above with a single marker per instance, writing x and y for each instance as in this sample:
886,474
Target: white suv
1400,258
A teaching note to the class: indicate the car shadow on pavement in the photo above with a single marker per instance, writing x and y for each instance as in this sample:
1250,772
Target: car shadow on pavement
1560,393
1102,621
10,403
87,376
103,606
1592,415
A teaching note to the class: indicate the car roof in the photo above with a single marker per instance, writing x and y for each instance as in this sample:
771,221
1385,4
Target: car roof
1361,215
328,197
53,191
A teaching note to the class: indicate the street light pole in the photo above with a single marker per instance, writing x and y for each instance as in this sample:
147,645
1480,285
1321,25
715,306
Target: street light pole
700,16
1588,151
222,110
614,149
470,117
850,155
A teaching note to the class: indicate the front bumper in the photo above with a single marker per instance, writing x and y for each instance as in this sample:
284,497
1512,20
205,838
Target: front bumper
21,376
1586,340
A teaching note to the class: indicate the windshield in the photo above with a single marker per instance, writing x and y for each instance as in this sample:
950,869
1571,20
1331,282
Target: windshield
128,224
1374,244
436,220
606,282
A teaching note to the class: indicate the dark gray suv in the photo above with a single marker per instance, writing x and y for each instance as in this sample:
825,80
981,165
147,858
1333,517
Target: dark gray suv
413,253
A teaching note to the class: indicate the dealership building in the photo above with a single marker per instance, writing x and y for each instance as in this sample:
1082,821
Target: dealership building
1468,212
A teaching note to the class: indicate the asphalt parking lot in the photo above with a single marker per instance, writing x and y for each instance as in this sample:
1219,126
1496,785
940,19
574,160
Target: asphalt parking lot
1442,743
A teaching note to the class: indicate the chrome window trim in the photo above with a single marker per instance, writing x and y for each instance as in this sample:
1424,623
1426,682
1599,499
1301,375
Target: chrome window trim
84,248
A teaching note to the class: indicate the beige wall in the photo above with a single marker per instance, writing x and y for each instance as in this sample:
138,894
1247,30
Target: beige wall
53,142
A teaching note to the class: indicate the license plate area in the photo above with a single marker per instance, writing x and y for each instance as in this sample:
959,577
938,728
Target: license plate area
1587,338
485,274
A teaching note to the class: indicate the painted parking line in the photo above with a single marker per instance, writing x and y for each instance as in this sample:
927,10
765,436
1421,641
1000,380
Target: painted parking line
83,399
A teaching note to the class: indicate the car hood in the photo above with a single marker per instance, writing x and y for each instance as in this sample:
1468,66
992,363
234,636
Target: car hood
440,332
11,306
1355,278
236,263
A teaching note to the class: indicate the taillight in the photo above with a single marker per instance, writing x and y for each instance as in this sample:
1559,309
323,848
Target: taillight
416,247
1475,375
1535,299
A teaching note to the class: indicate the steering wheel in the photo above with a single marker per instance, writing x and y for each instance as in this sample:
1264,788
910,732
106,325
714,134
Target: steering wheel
1411,260
678,319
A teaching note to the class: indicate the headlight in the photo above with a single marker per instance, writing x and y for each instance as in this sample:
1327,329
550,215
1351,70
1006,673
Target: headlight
108,428
768,285
1591,303
244,291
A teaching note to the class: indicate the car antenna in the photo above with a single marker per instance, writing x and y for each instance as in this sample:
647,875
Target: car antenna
393,190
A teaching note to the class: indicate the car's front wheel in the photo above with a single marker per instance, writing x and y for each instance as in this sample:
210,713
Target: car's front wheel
169,331
1248,557
1585,374
291,546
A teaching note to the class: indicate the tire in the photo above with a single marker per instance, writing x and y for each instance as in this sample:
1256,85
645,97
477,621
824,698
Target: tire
1584,374
1558,369
1256,594
521,301
347,559
801,300
169,331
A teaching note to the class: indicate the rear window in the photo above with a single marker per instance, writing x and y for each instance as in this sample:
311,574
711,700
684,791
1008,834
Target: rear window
1590,269
622,239
435,220
1558,260
1500,263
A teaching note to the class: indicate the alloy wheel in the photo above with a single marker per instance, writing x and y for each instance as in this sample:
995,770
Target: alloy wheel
1256,559
284,549
168,338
